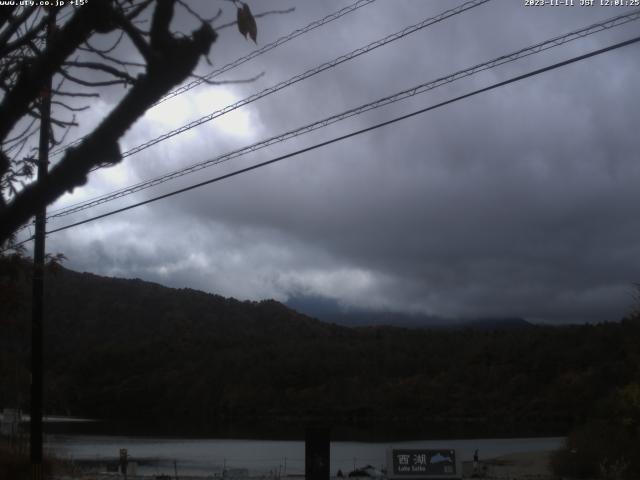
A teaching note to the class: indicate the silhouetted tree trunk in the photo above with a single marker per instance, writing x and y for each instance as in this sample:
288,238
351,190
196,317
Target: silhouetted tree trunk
168,60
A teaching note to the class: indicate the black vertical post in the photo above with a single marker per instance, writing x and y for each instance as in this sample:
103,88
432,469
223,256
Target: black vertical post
38,281
124,462
317,453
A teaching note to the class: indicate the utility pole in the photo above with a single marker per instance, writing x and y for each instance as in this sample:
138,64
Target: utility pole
37,363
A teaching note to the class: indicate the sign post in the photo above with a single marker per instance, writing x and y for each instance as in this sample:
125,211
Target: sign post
416,464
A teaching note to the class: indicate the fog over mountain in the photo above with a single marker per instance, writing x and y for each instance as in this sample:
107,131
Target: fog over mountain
329,310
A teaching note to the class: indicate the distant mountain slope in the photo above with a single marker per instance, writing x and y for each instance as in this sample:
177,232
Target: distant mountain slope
134,350
84,304
329,310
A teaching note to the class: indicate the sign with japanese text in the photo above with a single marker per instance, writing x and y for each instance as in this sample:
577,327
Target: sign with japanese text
424,463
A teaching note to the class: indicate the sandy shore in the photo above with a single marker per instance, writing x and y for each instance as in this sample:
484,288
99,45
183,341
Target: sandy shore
516,466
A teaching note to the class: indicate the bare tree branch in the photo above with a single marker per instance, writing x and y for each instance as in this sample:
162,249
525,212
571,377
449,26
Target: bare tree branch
136,37
29,82
199,17
104,68
19,135
70,108
138,9
171,61
169,57
7,47
63,93
105,51
6,14
259,15
14,24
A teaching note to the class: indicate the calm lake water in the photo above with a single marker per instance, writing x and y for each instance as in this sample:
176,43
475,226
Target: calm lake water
261,457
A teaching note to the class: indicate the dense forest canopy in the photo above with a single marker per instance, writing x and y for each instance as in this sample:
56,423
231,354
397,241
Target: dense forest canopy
133,350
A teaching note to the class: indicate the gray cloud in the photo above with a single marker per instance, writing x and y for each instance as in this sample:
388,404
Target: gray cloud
518,202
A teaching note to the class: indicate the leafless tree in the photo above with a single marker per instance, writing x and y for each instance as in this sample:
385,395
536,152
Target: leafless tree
79,56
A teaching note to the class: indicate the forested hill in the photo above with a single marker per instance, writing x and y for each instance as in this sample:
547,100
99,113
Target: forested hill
134,350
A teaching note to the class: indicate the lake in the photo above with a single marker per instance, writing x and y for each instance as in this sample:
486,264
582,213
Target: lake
156,455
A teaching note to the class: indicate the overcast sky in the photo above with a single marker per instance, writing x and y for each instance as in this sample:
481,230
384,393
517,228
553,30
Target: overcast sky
518,202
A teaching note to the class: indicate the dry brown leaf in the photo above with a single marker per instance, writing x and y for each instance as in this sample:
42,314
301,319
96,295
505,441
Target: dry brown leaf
246,23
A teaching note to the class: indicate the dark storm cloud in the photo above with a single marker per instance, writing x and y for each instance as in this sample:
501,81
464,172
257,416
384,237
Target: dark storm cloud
518,202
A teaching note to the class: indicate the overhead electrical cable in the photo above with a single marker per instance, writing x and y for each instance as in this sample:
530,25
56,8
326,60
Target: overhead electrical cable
353,54
349,135
309,73
510,57
239,61
266,48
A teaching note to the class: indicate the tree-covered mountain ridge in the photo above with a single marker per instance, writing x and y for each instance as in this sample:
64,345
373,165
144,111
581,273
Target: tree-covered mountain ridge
135,350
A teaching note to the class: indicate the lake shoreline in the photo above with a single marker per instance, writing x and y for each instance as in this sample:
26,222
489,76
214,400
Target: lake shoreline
289,428
281,459
523,466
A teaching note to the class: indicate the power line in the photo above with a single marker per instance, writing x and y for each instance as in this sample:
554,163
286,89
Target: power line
266,48
303,76
309,73
402,33
537,48
239,61
357,132
343,137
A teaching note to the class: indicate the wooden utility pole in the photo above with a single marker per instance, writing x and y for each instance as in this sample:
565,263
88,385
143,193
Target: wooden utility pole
37,311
